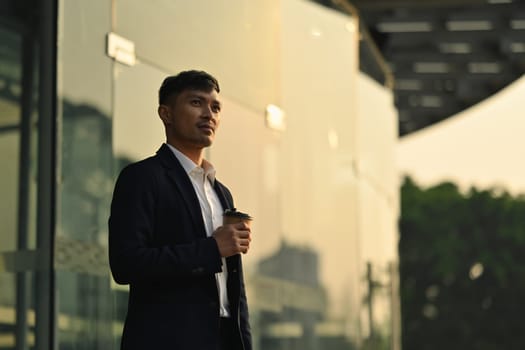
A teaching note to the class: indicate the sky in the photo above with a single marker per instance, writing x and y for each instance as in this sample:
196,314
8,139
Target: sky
483,146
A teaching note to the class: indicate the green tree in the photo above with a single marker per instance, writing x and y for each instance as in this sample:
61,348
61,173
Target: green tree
462,268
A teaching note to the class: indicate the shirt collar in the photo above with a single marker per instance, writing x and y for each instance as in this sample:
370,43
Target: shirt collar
191,168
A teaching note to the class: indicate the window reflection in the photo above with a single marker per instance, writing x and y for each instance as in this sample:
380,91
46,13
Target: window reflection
327,283
17,179
86,315
10,122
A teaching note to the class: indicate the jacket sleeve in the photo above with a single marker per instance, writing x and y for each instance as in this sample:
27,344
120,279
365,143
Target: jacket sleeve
132,224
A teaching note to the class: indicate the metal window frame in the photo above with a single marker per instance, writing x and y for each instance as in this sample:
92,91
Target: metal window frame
45,330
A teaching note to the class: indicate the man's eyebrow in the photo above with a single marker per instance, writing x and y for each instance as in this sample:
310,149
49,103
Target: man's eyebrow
202,97
195,95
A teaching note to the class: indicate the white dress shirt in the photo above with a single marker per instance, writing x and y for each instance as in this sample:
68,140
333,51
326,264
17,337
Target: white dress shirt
203,179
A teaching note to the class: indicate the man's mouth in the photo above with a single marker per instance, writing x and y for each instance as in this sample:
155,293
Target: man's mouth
206,127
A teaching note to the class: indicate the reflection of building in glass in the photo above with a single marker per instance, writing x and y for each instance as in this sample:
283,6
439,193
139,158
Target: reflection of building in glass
295,264
292,301
81,257
71,118
379,305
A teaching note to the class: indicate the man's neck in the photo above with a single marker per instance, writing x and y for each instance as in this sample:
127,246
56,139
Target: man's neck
195,154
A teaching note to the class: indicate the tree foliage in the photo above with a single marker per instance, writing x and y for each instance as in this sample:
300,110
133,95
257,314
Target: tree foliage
462,268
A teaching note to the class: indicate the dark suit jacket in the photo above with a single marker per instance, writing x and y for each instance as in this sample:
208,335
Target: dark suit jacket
158,245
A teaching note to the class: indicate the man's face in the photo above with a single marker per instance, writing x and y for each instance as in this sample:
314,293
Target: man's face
192,118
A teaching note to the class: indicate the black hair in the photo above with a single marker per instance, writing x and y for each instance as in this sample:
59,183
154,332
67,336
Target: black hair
187,80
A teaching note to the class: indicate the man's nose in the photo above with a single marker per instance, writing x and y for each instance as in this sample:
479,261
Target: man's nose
207,112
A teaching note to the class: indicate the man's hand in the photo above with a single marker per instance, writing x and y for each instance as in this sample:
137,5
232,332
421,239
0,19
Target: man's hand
233,239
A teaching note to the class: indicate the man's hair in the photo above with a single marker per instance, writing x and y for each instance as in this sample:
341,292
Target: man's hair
187,80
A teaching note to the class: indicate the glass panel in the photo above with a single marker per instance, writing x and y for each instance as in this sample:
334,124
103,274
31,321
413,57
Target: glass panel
137,130
86,318
85,301
378,211
10,117
17,321
18,138
237,40
321,270
7,310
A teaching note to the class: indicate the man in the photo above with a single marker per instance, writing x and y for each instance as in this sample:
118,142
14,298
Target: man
166,238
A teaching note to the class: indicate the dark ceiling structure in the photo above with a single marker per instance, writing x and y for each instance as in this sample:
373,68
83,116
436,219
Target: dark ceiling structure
445,55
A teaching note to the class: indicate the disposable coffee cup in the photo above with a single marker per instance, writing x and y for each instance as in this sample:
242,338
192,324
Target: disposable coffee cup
233,216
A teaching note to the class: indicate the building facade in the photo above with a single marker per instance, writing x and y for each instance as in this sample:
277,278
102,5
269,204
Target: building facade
306,145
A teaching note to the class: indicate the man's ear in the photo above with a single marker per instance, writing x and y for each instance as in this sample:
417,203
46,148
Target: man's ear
164,114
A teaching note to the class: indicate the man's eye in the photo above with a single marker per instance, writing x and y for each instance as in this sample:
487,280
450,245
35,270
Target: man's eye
216,108
195,102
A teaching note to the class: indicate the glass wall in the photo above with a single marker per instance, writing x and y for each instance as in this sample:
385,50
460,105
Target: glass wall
86,306
320,183
17,184
321,273
26,139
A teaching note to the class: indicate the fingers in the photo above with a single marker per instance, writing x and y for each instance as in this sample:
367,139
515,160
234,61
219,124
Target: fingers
232,240
242,226
243,245
242,242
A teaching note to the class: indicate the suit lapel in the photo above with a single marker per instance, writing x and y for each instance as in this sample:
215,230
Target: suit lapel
183,184
226,204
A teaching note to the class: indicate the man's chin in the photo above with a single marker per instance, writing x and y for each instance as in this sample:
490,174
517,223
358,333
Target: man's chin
206,143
